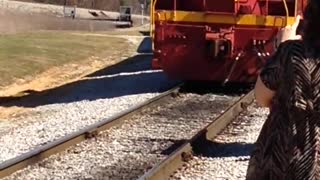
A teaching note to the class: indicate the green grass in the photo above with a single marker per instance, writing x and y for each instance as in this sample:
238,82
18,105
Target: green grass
28,54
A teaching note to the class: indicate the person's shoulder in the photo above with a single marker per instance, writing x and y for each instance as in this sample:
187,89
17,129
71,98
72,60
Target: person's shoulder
290,43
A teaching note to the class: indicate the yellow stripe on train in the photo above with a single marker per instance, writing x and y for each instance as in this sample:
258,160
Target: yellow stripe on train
202,17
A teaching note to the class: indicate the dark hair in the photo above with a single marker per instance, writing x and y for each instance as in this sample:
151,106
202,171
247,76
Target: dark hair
311,27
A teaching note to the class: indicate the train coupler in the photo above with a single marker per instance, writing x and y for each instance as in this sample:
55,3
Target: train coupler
218,47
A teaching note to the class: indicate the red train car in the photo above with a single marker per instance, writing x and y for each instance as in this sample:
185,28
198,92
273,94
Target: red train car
217,40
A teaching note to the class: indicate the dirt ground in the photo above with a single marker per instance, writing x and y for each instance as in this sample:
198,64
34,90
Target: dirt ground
55,76
20,22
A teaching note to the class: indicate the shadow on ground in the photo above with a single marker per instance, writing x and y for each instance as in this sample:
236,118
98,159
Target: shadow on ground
145,45
132,76
212,149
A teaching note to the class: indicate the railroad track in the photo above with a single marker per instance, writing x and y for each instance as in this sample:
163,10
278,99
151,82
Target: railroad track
10,166
227,155
64,110
136,146
166,168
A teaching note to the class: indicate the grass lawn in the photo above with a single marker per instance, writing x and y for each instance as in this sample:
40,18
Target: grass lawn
28,54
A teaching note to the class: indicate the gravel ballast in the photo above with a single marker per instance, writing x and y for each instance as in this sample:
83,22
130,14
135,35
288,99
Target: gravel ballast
68,109
228,156
129,150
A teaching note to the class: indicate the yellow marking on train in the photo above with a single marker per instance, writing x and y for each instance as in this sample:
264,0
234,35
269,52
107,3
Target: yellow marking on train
202,17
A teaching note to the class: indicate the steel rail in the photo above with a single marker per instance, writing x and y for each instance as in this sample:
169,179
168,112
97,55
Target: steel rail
168,166
41,152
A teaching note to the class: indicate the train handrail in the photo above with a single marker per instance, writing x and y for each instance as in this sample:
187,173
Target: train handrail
174,9
153,7
287,11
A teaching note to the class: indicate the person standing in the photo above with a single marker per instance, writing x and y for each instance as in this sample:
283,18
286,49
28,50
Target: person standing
288,145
